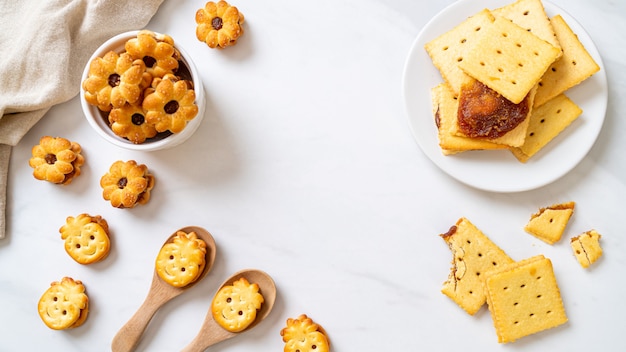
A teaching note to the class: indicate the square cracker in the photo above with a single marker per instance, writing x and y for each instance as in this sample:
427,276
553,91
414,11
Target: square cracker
509,59
445,106
574,66
524,298
546,122
530,15
474,255
447,50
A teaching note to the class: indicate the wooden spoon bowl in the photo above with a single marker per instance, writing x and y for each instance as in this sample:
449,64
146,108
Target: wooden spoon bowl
160,293
211,332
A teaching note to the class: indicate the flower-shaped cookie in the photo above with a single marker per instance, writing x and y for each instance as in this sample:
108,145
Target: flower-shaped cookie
114,80
303,335
129,122
234,306
181,262
56,160
157,51
170,104
64,305
86,238
127,184
219,24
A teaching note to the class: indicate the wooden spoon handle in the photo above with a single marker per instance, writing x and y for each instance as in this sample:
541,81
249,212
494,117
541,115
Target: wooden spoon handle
210,333
129,335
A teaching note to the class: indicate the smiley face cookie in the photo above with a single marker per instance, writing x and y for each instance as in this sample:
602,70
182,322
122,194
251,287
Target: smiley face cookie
303,335
64,305
86,238
181,261
235,306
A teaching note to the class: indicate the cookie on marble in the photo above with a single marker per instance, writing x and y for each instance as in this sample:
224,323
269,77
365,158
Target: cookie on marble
127,184
86,238
219,25
64,305
56,160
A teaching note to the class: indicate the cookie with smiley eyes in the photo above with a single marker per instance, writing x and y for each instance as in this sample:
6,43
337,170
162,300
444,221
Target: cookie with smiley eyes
235,306
304,335
64,305
86,238
181,261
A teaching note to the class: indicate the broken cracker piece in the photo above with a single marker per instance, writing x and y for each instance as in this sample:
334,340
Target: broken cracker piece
586,247
549,223
474,254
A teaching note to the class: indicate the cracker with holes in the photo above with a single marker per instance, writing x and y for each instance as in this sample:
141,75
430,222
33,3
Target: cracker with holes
445,107
509,59
235,306
524,298
86,238
586,247
302,334
450,48
474,255
530,15
546,122
548,224
180,262
574,66
64,305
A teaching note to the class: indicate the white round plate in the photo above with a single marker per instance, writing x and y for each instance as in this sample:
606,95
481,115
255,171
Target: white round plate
499,170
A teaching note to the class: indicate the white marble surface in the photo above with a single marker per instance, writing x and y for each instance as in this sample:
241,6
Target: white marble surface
304,167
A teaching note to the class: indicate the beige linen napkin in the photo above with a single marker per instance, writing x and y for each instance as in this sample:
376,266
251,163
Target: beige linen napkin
45,45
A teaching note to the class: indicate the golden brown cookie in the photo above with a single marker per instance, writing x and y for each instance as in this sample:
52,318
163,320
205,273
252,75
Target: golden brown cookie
64,305
181,261
304,335
170,104
157,52
235,306
129,122
114,80
127,184
219,24
56,160
86,238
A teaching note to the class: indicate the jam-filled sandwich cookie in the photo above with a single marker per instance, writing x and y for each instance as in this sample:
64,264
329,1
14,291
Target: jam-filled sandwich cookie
155,50
56,159
115,80
219,24
235,306
64,305
127,184
181,261
129,122
86,238
170,103
304,335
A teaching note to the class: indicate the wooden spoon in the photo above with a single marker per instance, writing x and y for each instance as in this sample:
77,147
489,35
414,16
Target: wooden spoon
160,293
211,332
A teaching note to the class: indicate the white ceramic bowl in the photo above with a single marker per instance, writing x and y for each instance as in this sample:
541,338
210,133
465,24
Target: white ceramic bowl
98,119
